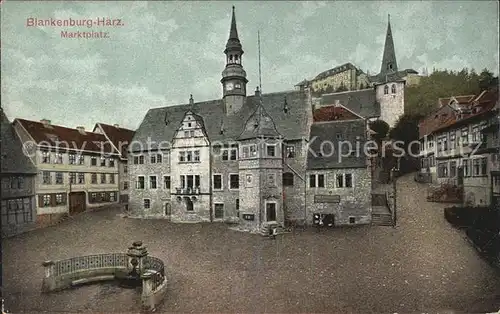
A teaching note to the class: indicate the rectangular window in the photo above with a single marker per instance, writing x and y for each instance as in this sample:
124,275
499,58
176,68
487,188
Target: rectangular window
93,161
147,203
443,170
271,150
125,185
152,182
59,199
159,158
46,200
290,151
59,178
81,159
182,156
125,168
234,181
245,151
183,182
312,181
287,179
72,177
103,161
465,136
153,158
112,197
348,180
20,183
225,154
219,211
141,160
111,162
484,166
46,177
58,158
465,165
45,157
453,169
94,178
317,181
103,178
166,182
189,156
340,180
112,178
140,183
72,159
476,166
196,155
233,152
136,160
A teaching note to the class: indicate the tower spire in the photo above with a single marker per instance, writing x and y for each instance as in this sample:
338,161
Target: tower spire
233,42
260,75
389,63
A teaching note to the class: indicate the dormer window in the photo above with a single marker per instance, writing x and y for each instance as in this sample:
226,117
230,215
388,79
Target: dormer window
386,89
393,88
389,66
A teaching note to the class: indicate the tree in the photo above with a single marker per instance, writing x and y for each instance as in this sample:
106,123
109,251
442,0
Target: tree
381,128
406,131
486,79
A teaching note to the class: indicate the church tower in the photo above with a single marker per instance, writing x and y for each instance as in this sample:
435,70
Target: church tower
234,79
389,63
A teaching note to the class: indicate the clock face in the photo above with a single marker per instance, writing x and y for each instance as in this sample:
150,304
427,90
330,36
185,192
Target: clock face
229,86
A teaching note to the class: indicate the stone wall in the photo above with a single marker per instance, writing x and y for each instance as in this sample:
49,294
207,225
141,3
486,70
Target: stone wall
160,196
354,202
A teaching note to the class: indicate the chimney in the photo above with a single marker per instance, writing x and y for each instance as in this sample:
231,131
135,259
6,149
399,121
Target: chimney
116,125
257,91
81,129
45,122
191,100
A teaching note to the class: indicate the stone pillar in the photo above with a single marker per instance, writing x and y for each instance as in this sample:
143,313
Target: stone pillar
136,254
49,282
147,290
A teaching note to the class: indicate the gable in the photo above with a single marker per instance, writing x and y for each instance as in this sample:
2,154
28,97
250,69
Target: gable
161,124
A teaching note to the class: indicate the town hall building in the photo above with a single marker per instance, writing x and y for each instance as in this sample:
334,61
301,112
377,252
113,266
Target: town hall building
252,159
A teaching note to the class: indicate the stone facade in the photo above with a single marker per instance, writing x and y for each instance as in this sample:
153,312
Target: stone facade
391,97
350,206
145,164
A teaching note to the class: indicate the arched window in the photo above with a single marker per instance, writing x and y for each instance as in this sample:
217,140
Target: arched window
386,89
389,66
287,179
230,58
393,88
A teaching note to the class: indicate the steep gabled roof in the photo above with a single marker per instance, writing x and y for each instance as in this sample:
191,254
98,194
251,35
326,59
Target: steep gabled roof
351,131
120,137
362,102
334,112
160,124
54,136
13,159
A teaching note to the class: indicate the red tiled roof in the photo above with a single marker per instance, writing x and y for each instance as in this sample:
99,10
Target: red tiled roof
333,113
464,99
63,137
120,137
485,102
444,101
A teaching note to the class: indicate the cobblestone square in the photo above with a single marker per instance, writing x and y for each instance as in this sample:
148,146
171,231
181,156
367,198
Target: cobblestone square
422,265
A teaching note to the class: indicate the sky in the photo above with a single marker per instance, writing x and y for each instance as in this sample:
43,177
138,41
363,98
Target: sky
164,51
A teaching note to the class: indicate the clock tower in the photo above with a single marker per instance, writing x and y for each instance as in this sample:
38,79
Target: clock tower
234,81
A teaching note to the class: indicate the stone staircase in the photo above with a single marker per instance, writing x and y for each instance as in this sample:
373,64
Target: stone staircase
381,219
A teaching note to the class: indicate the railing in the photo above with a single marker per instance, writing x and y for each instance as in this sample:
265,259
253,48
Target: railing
188,191
65,273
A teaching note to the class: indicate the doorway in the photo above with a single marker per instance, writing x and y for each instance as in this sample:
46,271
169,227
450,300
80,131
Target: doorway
271,211
189,204
77,203
168,210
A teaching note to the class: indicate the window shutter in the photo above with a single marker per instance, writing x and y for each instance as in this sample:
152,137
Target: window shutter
53,199
40,200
